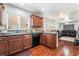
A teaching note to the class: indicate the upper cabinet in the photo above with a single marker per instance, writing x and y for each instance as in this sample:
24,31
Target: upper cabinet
36,21
1,10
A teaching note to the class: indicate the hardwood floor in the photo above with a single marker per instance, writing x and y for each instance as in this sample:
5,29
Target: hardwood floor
43,51
23,53
65,49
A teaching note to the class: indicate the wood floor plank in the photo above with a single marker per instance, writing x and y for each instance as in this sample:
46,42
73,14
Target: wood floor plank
64,49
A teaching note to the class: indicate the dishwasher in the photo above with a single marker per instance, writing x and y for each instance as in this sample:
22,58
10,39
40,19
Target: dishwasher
36,39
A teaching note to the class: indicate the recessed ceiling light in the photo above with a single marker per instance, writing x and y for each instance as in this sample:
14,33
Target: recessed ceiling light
43,9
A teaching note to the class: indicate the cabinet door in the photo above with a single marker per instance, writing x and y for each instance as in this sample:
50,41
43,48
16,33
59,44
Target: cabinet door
6,46
43,39
27,41
54,39
15,44
34,21
3,46
51,40
1,10
18,44
37,21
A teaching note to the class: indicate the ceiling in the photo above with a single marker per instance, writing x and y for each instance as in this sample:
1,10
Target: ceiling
52,11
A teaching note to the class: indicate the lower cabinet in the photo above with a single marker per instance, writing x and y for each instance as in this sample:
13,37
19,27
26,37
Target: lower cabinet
3,46
49,40
27,41
43,39
15,43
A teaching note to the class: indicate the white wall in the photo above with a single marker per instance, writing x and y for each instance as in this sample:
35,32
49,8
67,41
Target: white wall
61,26
76,24
50,25
16,11
11,10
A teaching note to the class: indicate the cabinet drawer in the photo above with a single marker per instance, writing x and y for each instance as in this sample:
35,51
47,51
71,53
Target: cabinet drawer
11,37
14,37
28,36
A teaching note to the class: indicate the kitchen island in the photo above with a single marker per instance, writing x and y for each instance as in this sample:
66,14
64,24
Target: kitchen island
49,39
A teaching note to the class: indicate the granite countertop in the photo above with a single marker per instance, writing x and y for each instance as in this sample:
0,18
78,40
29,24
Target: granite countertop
51,33
22,33
6,34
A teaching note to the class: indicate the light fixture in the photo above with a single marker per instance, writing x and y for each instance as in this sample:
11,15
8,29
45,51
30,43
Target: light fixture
43,9
67,18
61,15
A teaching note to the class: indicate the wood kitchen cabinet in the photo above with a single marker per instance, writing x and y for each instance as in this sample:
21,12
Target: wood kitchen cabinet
49,40
27,41
37,21
1,10
3,46
15,43
43,39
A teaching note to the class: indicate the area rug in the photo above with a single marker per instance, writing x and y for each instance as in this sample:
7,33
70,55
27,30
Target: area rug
71,39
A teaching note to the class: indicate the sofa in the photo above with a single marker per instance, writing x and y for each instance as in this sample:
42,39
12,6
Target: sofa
70,33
